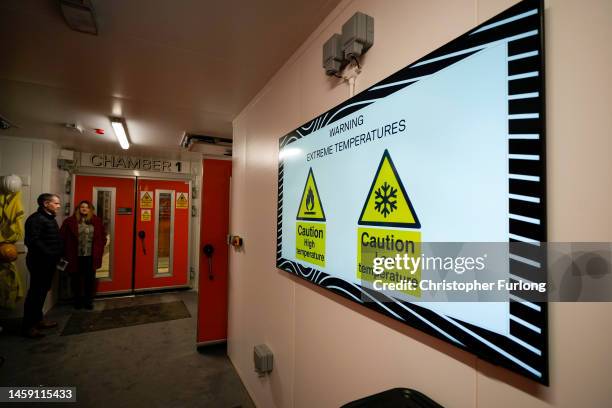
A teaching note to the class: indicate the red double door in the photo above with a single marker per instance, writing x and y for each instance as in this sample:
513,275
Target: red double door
147,224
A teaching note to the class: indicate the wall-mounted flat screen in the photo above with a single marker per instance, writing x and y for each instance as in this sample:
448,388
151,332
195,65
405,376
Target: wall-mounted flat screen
430,177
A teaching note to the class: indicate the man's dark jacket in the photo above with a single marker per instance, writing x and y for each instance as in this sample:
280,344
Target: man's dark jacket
42,238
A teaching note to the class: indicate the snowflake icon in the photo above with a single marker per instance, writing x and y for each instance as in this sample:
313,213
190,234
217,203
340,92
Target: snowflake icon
385,199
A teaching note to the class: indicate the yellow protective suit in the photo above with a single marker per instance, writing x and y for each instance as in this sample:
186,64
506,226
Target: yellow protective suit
11,230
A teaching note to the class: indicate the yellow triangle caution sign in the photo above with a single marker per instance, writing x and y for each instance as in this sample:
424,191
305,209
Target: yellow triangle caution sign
311,208
387,204
182,201
146,201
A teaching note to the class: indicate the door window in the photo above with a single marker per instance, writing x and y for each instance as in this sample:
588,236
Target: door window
164,226
104,202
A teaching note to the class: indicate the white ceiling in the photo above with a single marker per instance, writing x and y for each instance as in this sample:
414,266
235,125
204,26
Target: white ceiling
167,66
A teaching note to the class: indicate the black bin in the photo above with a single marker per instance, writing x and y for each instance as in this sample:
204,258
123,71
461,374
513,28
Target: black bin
395,398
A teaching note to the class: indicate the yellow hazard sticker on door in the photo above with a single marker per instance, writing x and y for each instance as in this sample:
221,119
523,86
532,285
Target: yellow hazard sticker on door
182,201
145,215
146,199
310,208
387,203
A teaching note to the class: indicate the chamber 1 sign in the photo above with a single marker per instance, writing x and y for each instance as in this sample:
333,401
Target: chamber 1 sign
446,150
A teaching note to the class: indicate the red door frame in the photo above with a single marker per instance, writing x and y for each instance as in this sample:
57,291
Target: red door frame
128,275
214,228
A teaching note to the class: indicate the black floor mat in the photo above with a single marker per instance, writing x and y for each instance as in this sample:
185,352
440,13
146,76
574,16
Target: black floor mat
83,322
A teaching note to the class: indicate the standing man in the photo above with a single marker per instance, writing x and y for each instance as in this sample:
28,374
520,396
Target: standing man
44,251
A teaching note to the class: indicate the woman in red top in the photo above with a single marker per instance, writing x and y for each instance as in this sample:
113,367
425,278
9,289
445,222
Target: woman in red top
84,240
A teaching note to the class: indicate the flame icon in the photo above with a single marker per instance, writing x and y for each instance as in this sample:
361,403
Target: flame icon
310,201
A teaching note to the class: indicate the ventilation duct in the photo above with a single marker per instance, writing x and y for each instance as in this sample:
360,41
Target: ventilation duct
208,145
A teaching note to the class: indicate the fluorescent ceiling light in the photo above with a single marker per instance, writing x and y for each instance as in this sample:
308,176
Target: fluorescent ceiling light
121,132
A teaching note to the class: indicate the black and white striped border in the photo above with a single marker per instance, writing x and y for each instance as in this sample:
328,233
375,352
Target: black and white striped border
525,349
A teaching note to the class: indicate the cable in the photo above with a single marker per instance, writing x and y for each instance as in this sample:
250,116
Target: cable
351,83
356,61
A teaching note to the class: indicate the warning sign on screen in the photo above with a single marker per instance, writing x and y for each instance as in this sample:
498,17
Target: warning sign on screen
310,242
391,230
310,226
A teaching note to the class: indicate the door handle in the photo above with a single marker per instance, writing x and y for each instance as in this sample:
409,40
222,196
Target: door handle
208,251
142,235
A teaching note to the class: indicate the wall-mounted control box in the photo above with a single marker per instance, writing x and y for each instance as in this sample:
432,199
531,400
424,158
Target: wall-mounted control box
333,56
341,49
263,359
357,35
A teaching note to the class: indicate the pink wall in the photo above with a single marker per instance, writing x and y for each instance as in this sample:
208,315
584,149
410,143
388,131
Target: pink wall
329,351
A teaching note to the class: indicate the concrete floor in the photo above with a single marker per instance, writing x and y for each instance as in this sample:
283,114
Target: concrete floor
150,365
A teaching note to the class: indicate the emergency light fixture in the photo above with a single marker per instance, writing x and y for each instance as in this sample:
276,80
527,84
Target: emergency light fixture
120,129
